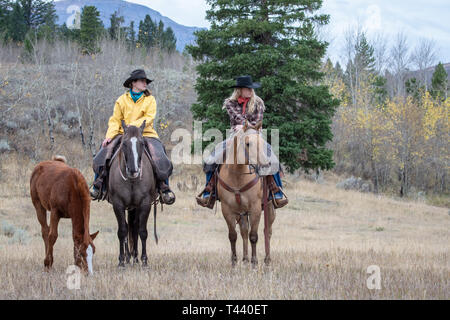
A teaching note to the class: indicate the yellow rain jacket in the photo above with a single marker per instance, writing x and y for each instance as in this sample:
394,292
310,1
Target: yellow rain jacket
133,114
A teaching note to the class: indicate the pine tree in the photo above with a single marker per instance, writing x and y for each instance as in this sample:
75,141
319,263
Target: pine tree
275,42
90,30
115,28
131,35
169,42
4,11
38,12
16,27
338,70
159,34
68,34
439,82
414,89
20,17
147,32
364,57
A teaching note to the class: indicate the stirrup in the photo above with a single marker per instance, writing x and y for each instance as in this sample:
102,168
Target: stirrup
279,203
163,197
207,202
95,193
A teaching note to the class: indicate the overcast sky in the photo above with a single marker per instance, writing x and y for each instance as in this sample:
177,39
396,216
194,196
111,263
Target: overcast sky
416,18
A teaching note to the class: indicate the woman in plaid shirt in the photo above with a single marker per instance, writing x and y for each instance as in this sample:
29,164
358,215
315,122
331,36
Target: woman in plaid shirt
243,105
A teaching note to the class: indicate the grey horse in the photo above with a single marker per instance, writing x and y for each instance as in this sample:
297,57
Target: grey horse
131,186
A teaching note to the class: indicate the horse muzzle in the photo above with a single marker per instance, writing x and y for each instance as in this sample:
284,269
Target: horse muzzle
133,175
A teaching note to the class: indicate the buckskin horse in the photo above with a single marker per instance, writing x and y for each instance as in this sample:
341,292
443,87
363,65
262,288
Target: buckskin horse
62,190
132,188
241,192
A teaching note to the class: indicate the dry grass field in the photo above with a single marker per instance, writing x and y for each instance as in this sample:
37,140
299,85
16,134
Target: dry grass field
322,244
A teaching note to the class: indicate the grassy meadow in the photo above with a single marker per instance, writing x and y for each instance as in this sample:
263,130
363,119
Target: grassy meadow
322,244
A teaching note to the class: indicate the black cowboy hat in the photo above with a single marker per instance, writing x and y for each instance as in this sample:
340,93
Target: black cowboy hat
136,75
246,82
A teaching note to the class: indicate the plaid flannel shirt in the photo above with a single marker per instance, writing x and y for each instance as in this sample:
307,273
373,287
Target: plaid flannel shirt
234,110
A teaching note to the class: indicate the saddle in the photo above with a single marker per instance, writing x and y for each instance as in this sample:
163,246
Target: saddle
154,149
211,187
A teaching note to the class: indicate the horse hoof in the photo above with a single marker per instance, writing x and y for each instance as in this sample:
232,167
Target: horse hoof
245,260
267,261
121,265
135,261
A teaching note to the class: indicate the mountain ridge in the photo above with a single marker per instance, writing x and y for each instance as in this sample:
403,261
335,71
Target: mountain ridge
65,9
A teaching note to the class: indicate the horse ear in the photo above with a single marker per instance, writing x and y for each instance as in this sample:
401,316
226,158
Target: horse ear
258,125
94,235
124,126
143,126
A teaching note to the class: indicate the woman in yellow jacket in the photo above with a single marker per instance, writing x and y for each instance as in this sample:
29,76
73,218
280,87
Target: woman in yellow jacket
133,107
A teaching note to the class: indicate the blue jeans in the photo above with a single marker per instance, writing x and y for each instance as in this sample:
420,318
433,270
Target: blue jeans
208,177
276,176
279,194
95,178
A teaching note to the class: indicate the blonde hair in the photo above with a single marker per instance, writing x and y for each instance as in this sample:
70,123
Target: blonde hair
251,103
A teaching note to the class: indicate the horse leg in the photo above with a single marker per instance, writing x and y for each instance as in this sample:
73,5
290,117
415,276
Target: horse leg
230,218
255,216
122,232
52,236
143,213
42,218
133,225
243,225
271,212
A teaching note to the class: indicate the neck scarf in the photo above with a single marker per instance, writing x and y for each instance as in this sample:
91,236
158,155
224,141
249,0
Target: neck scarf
244,101
136,95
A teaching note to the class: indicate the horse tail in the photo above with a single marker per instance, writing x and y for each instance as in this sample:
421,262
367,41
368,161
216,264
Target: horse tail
59,158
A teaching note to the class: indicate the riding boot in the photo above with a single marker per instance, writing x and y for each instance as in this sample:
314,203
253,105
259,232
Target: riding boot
166,195
205,200
275,188
96,188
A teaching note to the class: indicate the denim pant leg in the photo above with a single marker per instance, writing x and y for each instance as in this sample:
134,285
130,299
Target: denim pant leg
208,178
277,178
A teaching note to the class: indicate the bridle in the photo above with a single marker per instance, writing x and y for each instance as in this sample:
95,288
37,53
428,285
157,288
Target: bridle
120,165
249,185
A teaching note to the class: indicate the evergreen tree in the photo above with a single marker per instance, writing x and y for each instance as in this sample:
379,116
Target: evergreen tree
16,27
147,32
5,6
90,30
68,34
364,57
338,70
169,42
414,89
380,93
131,35
159,34
439,82
37,17
275,42
115,29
